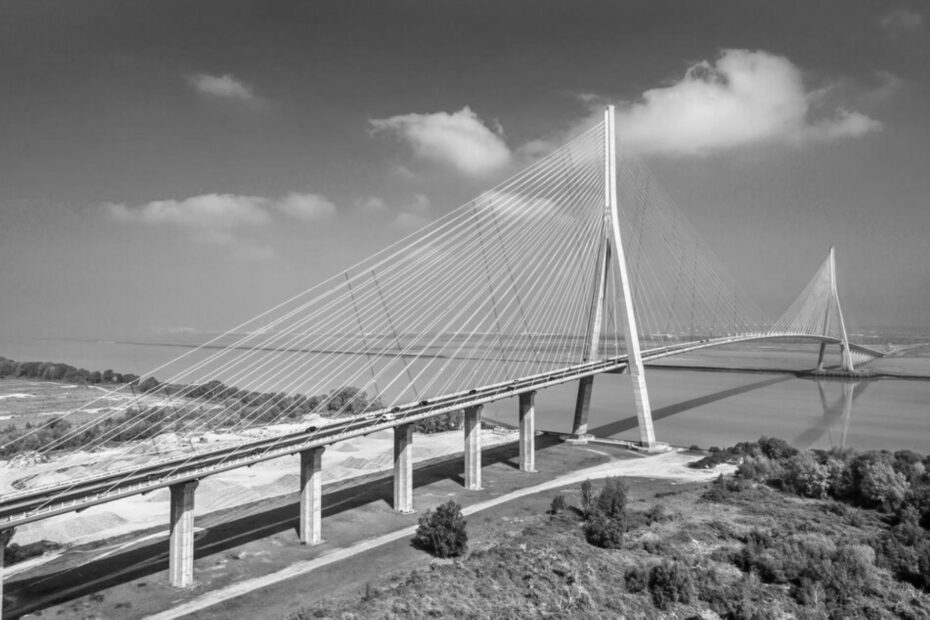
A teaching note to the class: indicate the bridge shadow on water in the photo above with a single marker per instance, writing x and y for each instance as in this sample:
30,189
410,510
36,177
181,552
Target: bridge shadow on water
37,590
629,423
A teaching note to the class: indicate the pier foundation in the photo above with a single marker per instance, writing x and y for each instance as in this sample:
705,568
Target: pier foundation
310,528
403,468
181,542
473,448
582,407
528,431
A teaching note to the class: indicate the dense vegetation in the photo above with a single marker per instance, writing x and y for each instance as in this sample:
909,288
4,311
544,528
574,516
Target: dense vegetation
56,371
145,422
441,532
836,534
895,484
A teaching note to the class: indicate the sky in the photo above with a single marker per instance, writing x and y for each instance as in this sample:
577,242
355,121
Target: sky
176,166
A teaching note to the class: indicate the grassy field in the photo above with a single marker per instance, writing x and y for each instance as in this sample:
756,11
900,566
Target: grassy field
698,533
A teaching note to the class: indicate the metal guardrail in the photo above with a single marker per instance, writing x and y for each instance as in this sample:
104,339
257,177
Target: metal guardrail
79,493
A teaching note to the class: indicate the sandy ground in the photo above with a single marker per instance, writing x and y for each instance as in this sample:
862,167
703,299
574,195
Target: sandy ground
671,465
360,455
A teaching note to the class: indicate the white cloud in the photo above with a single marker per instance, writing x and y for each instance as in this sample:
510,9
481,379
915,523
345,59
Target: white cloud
306,206
223,211
459,140
206,211
745,97
372,204
221,86
901,21
416,214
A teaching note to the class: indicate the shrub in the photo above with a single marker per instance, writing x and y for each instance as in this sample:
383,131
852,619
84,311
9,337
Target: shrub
804,476
759,468
603,531
670,582
636,579
558,504
657,514
611,501
881,485
442,532
776,449
587,496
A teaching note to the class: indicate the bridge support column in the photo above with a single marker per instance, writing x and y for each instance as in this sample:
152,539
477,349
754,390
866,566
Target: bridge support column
473,448
310,528
582,406
5,537
181,543
528,431
820,356
403,468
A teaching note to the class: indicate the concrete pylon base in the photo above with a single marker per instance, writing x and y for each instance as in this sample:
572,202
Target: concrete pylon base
310,525
656,448
403,468
577,440
181,540
473,448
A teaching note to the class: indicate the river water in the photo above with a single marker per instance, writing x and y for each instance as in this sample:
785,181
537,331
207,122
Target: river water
690,407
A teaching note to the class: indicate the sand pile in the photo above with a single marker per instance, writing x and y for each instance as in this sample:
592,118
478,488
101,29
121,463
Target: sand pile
237,487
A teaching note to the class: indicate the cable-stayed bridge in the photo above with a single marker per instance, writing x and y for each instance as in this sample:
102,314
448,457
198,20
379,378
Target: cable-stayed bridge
578,265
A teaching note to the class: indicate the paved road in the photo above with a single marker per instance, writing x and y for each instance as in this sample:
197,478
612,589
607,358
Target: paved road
670,465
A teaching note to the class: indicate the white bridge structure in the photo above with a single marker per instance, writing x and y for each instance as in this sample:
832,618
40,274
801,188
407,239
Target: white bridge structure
578,265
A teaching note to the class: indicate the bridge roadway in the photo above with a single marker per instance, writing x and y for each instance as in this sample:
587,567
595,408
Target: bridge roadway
77,494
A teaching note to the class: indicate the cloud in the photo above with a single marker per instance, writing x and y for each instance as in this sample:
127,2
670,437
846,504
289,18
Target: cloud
221,211
306,206
459,140
416,214
222,87
901,21
372,204
744,97
212,219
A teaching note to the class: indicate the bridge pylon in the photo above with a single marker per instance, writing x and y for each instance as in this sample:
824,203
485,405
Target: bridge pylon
817,312
612,248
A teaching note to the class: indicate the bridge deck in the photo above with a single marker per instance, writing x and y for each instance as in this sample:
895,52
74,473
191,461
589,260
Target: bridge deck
76,494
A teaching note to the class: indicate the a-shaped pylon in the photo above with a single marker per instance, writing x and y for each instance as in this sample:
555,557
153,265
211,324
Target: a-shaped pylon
817,312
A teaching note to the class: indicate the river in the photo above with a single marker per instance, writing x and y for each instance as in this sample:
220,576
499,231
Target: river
690,407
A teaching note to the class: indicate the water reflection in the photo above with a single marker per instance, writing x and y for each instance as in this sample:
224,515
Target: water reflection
834,411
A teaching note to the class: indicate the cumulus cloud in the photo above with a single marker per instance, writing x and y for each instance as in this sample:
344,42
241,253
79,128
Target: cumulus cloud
372,204
459,140
206,211
222,87
306,206
213,219
901,21
223,211
416,214
744,97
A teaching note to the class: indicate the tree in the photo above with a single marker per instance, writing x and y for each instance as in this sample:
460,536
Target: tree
442,532
881,485
149,385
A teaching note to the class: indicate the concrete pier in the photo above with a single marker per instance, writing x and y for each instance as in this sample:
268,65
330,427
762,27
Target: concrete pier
820,356
403,468
473,448
310,528
181,543
528,431
5,537
582,407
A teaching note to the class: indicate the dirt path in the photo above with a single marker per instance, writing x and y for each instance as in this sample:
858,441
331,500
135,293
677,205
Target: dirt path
670,465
